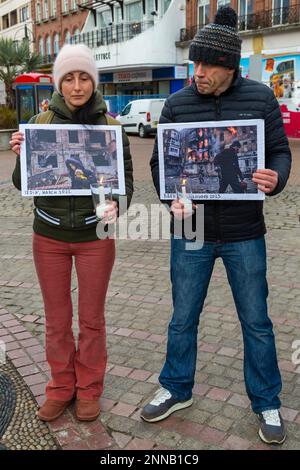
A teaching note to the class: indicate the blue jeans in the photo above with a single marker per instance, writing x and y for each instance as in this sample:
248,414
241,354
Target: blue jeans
191,270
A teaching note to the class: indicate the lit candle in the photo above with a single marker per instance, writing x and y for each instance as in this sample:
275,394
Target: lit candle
101,207
188,206
101,194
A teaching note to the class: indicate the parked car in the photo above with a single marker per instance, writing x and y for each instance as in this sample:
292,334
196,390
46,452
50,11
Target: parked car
141,116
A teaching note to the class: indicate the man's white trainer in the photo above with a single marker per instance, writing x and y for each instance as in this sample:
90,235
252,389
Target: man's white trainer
162,405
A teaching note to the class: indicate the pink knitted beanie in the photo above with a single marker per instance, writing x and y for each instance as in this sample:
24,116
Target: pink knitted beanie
74,58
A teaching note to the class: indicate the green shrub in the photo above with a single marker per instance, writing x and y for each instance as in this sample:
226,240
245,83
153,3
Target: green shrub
8,118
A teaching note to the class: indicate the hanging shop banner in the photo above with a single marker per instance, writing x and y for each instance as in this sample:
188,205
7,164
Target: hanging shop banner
282,74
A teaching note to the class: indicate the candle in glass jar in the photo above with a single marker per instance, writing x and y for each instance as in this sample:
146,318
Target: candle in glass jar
185,200
101,207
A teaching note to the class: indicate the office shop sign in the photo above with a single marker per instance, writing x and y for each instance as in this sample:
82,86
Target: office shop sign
133,76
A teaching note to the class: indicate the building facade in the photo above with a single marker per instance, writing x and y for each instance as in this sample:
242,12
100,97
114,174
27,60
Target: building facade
133,40
16,20
134,45
141,46
15,24
270,30
55,23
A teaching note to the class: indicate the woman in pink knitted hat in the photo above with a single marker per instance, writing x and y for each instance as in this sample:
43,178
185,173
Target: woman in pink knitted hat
65,230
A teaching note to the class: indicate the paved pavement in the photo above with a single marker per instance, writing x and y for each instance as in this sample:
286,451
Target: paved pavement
137,312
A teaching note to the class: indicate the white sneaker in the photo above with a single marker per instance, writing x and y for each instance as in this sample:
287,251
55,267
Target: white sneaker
162,405
272,429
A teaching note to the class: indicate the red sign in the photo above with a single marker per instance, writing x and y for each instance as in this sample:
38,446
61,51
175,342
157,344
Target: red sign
291,120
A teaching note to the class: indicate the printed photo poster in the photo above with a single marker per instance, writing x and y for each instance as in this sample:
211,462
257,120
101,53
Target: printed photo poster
60,160
214,160
244,67
282,74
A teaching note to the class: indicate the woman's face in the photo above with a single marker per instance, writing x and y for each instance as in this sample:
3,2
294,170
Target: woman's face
76,88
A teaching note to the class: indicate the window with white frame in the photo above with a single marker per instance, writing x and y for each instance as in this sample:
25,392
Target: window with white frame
76,36
150,6
73,4
38,11
64,5
223,2
203,12
46,9
246,9
134,11
165,5
24,14
68,37
53,7
118,14
56,44
281,11
48,46
41,47
105,18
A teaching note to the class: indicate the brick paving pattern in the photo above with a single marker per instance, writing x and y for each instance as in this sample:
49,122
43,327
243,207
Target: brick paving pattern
137,313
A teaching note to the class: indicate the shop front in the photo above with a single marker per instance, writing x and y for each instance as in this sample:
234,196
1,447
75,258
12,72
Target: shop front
282,74
120,87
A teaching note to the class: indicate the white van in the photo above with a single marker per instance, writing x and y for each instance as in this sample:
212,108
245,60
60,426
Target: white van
141,116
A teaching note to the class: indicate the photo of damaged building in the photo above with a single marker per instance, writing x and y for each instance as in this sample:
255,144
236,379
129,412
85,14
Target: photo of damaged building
70,159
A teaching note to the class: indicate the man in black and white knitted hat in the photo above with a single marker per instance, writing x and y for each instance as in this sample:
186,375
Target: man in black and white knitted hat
216,53
233,230
218,43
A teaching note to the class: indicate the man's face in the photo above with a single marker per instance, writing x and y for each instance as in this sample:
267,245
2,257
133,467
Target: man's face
212,79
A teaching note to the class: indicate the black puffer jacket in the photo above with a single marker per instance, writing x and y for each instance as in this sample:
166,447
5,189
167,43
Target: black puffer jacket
228,221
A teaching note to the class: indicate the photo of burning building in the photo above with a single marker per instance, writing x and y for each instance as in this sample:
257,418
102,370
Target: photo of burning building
214,160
